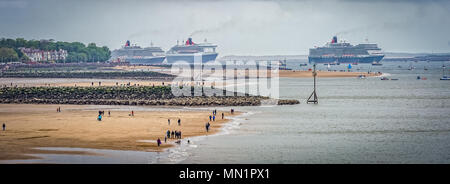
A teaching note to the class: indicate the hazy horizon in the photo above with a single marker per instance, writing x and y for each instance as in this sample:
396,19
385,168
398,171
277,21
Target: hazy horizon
249,27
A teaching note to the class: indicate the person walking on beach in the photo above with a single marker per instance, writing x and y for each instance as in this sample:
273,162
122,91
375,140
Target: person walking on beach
92,83
207,127
168,121
159,142
168,134
222,115
109,113
210,118
165,139
132,113
214,118
99,118
179,122
4,126
180,134
173,134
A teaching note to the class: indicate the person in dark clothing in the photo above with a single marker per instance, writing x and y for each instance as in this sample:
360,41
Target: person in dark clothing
159,142
222,115
109,113
210,118
168,121
179,122
4,126
165,139
180,134
173,134
168,134
207,127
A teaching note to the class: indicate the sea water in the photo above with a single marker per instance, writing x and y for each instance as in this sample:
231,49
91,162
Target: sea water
356,121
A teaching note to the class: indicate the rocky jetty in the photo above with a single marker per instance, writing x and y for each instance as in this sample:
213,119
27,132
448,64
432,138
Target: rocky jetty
131,95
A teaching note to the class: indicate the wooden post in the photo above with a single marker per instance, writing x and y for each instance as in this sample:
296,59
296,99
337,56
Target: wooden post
315,100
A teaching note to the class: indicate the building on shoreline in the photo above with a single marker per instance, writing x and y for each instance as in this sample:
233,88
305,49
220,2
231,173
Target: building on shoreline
37,55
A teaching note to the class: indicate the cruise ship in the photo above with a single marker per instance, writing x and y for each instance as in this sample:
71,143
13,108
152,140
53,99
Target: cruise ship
341,52
189,50
135,54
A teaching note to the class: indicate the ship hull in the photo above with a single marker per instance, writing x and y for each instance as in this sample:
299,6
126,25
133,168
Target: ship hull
189,58
367,59
146,61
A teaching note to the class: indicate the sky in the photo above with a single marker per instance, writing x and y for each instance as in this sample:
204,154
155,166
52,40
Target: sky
244,27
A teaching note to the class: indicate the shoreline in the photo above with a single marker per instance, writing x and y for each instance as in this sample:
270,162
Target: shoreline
22,137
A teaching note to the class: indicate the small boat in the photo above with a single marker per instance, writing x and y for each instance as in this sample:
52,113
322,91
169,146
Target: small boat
394,79
418,77
376,64
303,64
361,77
445,78
384,78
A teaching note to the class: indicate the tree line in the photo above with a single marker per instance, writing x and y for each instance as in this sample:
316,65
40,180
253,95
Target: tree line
77,51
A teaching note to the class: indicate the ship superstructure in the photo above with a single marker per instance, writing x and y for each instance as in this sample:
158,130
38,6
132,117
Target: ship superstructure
189,50
342,52
135,54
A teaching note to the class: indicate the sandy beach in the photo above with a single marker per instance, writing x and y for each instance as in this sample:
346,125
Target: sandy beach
29,126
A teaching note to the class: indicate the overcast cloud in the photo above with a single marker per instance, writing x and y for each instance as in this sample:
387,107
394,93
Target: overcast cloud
249,27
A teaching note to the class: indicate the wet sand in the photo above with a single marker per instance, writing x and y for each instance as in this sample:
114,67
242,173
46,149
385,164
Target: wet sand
29,126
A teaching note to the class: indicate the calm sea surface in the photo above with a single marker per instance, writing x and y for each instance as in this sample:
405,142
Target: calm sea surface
356,121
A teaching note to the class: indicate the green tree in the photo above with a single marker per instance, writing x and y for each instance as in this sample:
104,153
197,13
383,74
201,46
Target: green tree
8,55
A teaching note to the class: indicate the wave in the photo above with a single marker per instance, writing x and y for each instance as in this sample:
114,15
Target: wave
182,151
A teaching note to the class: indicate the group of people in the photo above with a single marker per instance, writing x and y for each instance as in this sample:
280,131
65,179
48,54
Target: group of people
172,135
177,134
58,109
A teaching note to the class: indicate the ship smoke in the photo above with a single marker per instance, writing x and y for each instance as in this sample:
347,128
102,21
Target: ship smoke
225,25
